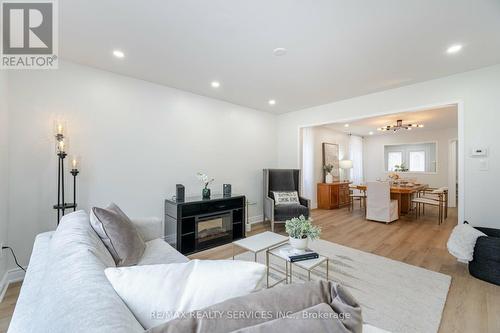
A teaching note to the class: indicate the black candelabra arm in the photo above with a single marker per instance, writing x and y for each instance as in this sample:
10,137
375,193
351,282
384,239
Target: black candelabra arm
75,173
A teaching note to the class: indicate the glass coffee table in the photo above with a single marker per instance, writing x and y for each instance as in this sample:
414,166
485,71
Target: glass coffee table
307,265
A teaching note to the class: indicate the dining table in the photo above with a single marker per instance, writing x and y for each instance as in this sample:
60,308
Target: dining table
402,193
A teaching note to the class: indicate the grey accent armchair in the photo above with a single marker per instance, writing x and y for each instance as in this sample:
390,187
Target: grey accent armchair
283,180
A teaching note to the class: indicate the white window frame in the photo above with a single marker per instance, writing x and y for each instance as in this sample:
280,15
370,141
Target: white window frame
409,160
385,164
401,159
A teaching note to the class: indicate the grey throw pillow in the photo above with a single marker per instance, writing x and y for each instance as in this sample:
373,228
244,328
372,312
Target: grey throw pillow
118,234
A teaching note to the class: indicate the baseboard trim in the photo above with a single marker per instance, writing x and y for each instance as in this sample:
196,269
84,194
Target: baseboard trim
11,276
255,219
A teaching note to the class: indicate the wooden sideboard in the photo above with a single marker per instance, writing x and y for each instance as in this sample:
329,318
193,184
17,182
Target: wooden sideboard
333,195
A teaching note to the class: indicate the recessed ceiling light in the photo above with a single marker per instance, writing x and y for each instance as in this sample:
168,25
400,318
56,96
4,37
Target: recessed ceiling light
215,84
280,51
370,133
346,125
118,54
454,48
272,102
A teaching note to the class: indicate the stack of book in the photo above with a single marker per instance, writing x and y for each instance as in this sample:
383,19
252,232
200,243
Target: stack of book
294,255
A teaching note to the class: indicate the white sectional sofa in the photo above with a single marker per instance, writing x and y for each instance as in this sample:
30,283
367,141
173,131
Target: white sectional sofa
65,289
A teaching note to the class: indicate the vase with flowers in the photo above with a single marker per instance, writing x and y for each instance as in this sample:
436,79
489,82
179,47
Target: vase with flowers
205,180
328,169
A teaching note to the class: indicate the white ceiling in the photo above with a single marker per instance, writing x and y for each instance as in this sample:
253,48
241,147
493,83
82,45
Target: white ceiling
432,119
336,48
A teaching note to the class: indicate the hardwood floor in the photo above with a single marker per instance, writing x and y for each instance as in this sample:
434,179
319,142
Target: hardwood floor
472,305
8,304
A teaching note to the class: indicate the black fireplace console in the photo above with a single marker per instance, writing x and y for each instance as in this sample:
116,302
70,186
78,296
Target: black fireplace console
197,224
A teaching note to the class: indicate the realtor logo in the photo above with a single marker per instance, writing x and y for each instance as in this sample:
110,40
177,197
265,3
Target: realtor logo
29,35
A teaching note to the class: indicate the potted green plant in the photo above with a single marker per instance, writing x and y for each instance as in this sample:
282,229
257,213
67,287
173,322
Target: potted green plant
300,230
329,177
401,168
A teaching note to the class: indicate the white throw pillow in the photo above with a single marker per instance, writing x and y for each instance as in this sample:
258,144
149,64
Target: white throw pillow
158,293
462,242
286,198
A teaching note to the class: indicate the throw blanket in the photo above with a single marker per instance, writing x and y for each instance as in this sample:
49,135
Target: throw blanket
318,306
462,242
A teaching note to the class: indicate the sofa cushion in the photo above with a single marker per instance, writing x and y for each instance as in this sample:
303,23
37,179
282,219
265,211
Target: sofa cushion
271,304
159,251
76,295
286,212
118,234
154,293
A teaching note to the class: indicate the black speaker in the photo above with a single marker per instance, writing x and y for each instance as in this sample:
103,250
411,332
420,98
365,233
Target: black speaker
226,190
179,193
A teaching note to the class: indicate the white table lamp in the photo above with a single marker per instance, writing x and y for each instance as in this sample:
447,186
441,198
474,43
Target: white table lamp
346,165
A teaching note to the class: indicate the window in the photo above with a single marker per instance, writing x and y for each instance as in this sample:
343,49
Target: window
417,161
415,157
394,158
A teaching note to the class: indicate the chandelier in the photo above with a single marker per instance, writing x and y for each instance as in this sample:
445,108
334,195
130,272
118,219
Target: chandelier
399,126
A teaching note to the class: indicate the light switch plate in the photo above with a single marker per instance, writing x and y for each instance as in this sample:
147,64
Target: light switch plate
483,164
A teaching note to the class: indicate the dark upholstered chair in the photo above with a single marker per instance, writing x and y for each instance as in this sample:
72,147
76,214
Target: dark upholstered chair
486,263
282,180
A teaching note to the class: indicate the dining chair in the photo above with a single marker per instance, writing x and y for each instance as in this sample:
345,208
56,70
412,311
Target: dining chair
435,197
379,206
428,193
355,194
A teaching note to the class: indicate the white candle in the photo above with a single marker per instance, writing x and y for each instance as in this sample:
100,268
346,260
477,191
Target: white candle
59,127
74,163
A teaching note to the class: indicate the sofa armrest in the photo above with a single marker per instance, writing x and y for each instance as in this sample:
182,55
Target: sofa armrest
268,209
305,202
489,231
150,227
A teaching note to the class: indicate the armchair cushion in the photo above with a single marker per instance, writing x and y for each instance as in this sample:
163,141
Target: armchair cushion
286,197
287,212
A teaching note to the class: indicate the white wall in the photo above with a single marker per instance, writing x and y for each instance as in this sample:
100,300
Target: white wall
3,172
136,139
319,135
477,90
374,164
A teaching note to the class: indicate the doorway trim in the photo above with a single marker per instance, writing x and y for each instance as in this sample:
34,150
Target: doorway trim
452,170
460,149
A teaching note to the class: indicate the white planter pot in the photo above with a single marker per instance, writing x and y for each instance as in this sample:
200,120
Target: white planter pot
299,244
329,178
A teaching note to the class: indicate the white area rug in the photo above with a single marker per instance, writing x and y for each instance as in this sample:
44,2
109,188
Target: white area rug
393,295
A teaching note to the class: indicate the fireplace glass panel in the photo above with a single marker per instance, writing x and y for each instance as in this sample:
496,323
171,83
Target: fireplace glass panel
213,229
